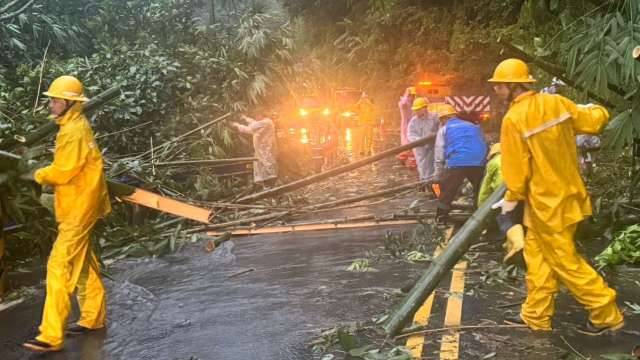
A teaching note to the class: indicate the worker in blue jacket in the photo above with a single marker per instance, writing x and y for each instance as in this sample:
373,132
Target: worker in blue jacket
460,153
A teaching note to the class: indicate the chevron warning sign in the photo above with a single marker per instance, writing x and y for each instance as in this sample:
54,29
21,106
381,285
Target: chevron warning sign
470,103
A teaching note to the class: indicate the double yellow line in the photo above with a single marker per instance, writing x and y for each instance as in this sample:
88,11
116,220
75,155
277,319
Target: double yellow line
450,343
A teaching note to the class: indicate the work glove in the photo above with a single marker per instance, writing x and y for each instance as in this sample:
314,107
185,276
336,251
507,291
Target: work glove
28,175
505,205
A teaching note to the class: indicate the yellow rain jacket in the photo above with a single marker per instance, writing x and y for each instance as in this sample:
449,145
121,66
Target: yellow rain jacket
539,166
80,199
539,158
76,172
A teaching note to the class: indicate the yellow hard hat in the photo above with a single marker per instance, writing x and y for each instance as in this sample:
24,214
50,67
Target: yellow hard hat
419,103
446,110
68,88
495,149
412,90
512,71
636,53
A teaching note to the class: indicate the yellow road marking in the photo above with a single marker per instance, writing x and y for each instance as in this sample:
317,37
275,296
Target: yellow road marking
449,348
415,343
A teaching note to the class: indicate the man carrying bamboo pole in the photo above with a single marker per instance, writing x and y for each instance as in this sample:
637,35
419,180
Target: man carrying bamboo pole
81,198
539,167
265,170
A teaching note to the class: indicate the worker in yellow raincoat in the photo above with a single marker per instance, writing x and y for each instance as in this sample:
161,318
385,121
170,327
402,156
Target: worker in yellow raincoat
81,198
367,122
539,167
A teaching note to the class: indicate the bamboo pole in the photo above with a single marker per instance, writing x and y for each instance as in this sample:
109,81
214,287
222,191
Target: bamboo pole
314,227
555,71
206,162
355,199
333,172
3,265
238,222
456,248
188,133
49,128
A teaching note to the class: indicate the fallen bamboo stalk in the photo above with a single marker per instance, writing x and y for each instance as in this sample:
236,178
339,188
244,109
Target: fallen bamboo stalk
355,199
49,128
316,227
237,222
441,266
357,205
206,162
124,130
334,224
188,133
333,172
458,328
557,72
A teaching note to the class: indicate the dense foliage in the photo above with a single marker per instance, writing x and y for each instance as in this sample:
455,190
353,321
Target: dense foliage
182,63
176,72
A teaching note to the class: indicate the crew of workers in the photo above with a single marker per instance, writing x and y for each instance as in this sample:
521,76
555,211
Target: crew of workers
536,160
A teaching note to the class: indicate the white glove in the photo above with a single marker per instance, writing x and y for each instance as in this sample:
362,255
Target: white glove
505,205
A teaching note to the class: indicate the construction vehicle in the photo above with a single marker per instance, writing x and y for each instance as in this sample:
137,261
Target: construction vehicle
475,108
322,124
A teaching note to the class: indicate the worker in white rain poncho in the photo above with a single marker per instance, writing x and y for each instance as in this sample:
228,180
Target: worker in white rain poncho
424,124
265,169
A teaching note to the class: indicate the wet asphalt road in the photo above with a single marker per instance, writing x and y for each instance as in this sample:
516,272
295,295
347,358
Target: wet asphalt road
195,305
186,306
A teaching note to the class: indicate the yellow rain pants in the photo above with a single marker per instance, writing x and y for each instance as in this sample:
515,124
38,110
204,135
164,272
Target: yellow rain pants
539,167
80,199
552,260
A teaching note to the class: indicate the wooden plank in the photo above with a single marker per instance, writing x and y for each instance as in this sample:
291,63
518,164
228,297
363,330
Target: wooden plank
170,206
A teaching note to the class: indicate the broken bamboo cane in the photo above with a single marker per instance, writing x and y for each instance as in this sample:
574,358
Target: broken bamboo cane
49,128
557,72
333,172
355,199
206,162
457,247
188,133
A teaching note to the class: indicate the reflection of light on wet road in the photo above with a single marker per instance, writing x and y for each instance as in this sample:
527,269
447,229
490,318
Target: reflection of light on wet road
348,141
304,136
